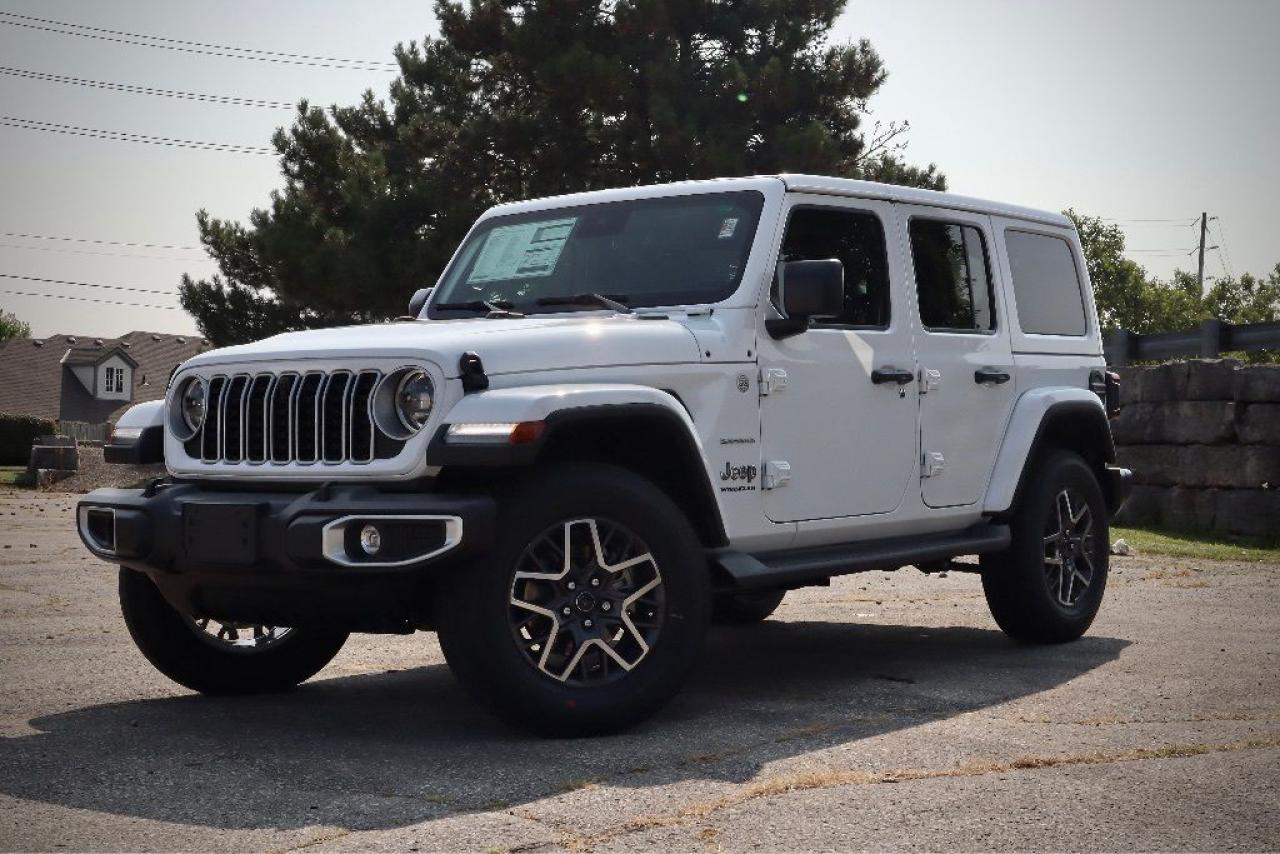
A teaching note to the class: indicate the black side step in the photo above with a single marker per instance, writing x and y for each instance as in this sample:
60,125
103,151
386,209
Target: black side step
795,567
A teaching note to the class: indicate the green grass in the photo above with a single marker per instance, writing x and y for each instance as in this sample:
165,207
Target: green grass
1181,544
9,474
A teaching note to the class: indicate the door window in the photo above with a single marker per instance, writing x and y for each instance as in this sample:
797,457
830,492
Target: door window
953,284
856,239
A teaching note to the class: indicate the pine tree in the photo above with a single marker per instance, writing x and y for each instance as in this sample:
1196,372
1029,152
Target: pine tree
525,99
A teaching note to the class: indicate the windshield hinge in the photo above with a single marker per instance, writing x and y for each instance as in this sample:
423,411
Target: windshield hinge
772,380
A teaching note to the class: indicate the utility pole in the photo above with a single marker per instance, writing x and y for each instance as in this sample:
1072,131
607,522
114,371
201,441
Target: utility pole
1204,227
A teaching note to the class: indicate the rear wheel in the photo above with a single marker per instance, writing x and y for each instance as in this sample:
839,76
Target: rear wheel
591,610
742,609
215,657
1048,586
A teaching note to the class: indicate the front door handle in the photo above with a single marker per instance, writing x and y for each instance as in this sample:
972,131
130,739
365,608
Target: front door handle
890,374
990,375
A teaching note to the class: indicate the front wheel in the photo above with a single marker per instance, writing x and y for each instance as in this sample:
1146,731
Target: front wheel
1048,586
590,611
215,657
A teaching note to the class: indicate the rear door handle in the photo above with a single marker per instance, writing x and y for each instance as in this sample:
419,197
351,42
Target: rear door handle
990,375
890,374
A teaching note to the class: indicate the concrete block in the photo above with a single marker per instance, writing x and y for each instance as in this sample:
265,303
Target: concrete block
1226,466
1179,422
1210,379
1257,384
48,477
1162,382
1153,465
1186,509
1136,424
1142,507
55,457
1130,380
1258,423
1197,422
1248,512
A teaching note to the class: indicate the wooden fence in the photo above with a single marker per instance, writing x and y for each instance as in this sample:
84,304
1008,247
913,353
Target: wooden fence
83,431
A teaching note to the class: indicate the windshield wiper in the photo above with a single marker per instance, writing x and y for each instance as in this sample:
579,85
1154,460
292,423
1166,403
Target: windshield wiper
495,307
591,299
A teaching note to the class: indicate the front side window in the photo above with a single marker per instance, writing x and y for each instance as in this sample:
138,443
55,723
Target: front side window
856,239
952,281
679,250
1046,284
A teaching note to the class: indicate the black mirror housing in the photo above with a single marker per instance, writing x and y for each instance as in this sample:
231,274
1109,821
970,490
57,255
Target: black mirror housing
420,297
807,289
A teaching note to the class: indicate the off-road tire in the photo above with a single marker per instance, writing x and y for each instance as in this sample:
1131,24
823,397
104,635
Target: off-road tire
746,608
1021,588
171,644
482,646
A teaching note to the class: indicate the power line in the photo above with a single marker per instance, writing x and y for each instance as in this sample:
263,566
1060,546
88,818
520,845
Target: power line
129,136
62,250
90,299
1186,222
185,46
198,44
1222,241
144,90
86,284
100,242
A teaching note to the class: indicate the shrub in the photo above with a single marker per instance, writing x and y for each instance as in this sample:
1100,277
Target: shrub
17,433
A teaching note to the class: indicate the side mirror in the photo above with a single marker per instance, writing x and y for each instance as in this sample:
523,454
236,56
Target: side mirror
807,289
420,297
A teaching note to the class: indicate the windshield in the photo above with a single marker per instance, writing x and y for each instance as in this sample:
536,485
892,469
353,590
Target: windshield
679,250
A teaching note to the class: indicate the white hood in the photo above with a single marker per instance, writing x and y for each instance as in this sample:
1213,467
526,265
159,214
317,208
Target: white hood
506,345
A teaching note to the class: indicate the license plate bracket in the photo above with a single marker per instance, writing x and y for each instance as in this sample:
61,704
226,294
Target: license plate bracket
224,534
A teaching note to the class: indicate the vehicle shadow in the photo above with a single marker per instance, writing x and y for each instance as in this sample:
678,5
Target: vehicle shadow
385,750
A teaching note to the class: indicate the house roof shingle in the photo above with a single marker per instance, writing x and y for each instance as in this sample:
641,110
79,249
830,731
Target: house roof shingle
34,381
82,354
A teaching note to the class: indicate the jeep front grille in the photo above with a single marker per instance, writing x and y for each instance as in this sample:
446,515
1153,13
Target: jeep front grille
300,418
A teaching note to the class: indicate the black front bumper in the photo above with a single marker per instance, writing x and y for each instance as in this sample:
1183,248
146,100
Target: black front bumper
290,558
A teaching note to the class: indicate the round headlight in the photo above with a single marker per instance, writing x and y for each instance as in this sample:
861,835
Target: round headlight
193,403
414,399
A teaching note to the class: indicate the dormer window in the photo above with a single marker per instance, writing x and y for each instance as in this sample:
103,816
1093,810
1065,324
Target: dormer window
115,380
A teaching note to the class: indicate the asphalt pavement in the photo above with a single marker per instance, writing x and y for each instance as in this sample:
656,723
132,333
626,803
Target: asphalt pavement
883,712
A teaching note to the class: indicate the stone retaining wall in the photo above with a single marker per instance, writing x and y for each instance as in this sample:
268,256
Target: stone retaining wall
1203,440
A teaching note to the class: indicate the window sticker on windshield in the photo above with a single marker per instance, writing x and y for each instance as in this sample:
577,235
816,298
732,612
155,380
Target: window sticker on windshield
529,250
728,227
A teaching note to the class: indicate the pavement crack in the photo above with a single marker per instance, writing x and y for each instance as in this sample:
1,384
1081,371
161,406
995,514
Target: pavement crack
318,839
787,784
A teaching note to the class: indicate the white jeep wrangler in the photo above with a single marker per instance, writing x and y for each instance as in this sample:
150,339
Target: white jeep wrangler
618,417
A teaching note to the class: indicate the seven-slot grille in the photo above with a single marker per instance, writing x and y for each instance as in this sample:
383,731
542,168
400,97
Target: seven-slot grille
303,418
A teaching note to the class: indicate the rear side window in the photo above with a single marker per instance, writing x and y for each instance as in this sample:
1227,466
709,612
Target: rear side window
1046,284
952,280
856,238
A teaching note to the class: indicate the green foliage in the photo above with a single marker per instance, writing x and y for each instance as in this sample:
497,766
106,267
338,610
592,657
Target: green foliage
520,99
12,327
17,433
1129,298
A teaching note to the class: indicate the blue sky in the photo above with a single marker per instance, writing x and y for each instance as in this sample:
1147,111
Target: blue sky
1132,110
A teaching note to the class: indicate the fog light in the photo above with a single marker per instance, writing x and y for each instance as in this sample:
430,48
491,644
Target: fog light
370,539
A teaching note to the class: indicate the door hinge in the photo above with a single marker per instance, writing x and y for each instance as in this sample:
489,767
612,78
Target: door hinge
776,473
930,379
932,463
771,380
